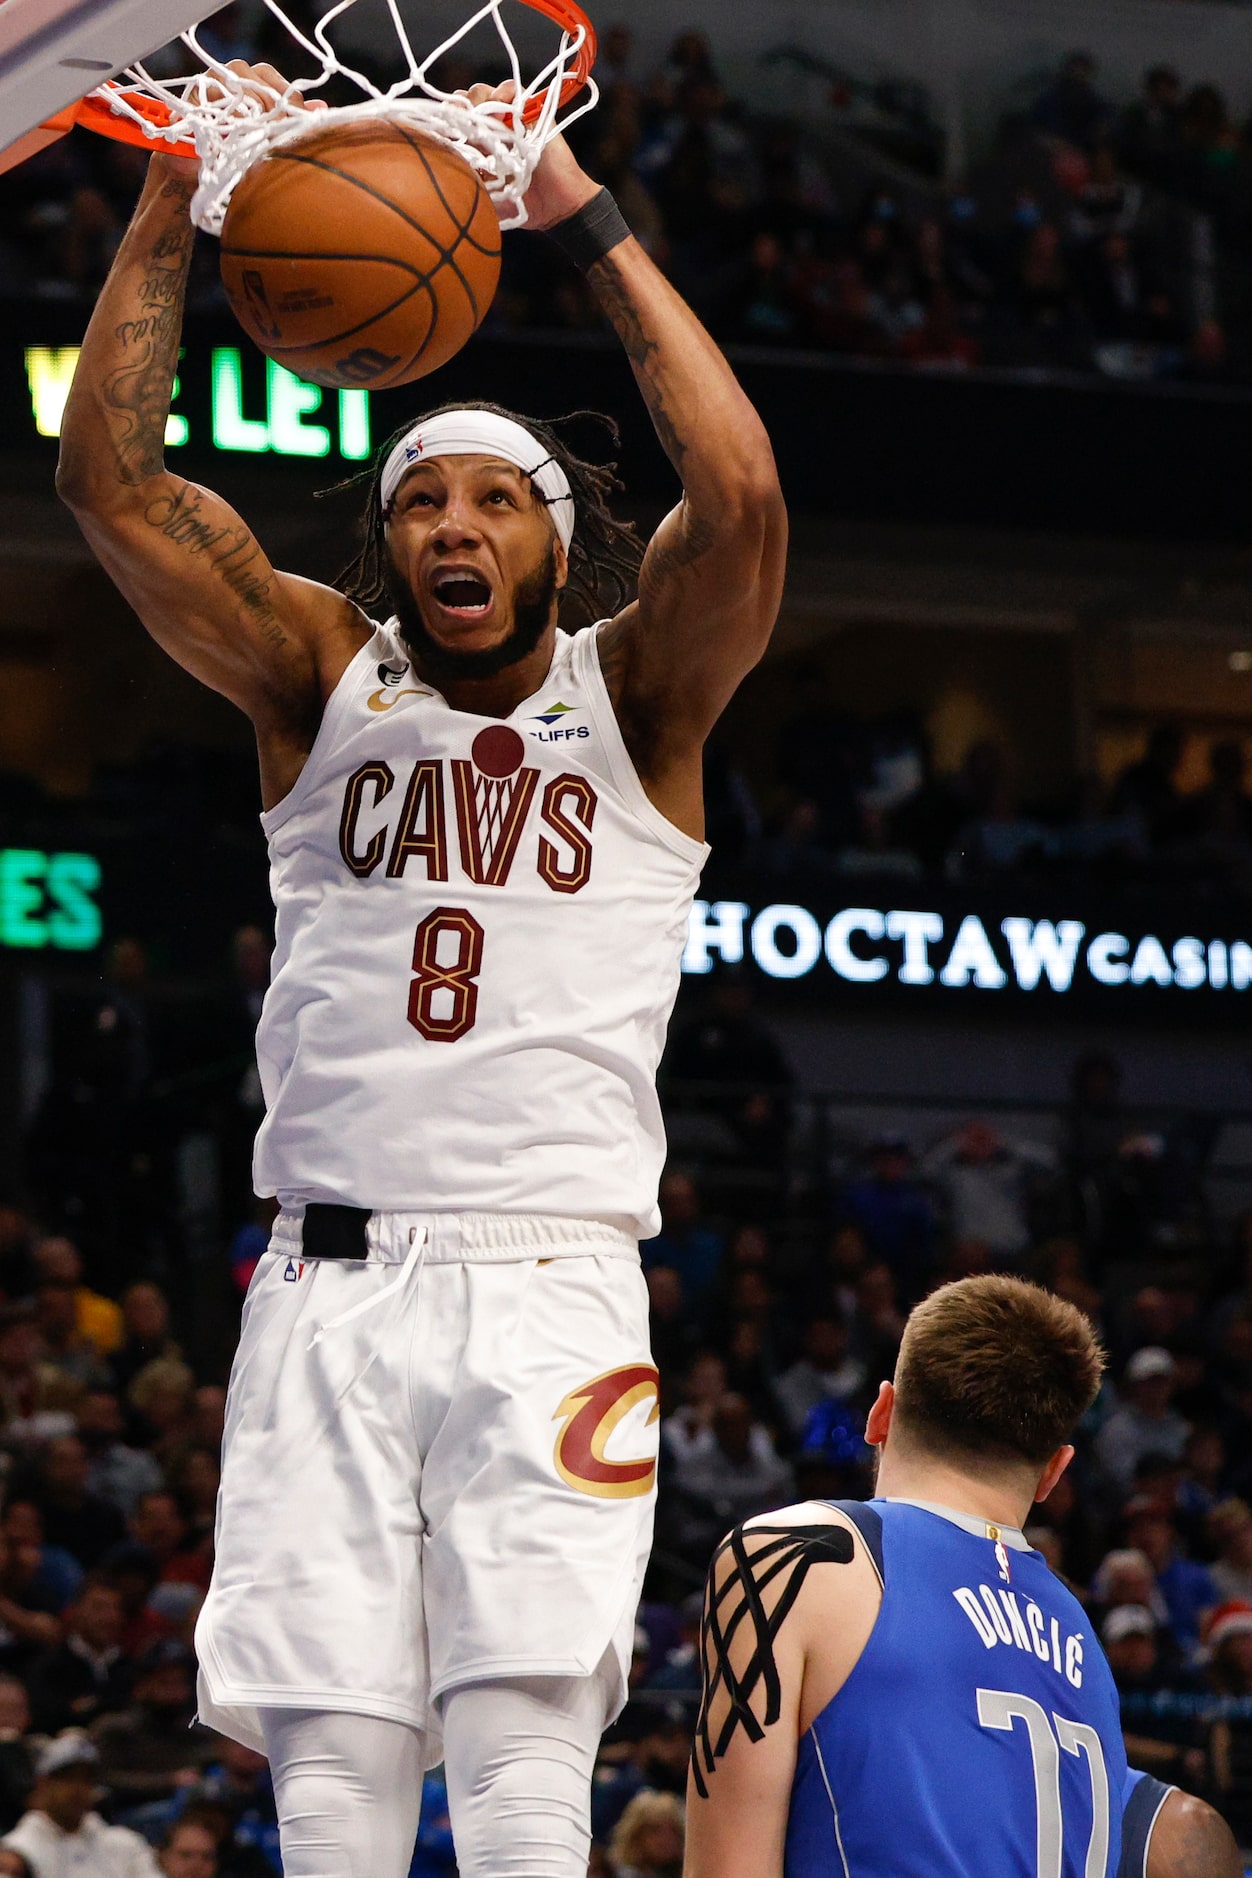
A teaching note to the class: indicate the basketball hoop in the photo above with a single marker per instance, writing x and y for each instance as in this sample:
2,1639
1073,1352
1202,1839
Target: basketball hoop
230,123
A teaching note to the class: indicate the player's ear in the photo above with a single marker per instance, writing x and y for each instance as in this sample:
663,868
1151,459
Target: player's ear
1053,1471
878,1421
562,565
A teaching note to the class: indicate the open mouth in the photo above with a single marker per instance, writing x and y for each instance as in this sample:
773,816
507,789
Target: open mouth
463,594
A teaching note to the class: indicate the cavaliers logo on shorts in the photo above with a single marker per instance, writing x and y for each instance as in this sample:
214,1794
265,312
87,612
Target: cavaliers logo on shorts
589,1415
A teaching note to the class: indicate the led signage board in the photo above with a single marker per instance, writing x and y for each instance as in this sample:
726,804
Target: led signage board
289,418
884,947
49,901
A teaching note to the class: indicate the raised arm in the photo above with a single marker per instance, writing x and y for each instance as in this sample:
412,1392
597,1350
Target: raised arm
712,578
781,1635
202,585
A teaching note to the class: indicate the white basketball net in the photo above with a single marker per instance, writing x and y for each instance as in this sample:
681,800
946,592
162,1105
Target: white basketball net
234,122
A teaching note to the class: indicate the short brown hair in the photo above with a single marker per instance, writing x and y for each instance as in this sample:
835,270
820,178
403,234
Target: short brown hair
992,1368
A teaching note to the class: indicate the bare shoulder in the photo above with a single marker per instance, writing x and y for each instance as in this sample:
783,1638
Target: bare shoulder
332,626
1191,1840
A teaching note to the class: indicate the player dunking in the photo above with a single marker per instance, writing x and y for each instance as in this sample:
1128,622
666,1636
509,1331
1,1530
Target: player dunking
485,836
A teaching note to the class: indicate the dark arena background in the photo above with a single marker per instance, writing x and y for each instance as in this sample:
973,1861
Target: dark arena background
969,983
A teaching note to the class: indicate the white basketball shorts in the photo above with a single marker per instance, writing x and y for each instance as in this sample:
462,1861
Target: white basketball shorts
439,1467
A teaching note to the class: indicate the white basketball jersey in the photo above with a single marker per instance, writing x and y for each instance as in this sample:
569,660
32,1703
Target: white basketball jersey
480,925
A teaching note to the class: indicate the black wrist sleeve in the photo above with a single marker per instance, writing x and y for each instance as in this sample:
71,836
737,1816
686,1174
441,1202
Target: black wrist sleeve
588,235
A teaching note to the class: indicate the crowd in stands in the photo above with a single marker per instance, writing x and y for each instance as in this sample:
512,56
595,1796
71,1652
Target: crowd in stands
773,1320
1089,236
848,798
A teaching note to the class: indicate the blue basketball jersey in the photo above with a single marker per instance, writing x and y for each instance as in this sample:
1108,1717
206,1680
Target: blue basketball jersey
978,1735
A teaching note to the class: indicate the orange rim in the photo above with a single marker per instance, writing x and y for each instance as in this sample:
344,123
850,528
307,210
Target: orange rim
95,113
569,17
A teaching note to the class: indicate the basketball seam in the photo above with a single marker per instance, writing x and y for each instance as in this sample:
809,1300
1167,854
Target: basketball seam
358,182
462,228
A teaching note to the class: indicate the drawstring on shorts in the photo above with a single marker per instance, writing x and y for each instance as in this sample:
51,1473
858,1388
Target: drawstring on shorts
412,1260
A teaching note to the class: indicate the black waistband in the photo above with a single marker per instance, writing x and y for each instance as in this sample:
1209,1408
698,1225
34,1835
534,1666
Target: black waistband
334,1232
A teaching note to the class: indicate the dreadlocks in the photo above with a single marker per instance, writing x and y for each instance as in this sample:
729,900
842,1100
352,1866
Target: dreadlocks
604,555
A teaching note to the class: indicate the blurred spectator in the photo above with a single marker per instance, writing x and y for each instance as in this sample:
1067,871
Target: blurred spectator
208,1414
1145,1423
188,1850
26,1417
1163,1734
60,1835
824,1372
162,1396
1148,788
75,1518
115,1472
893,1212
195,1479
58,1576
1071,107
1229,1644
877,1323
986,1181
1149,134
149,1749
647,1841
1219,817
1185,1585
1059,1264
234,1803
1230,1526
692,1250
98,1319
85,1676
703,1388
159,1526
729,1045
73,1358
27,1621
146,1316
17,1758
1002,837
728,1472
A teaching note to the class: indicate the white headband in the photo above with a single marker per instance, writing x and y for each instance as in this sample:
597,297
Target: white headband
482,433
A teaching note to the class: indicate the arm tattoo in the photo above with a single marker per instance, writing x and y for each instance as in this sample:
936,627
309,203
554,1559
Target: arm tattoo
613,651
789,1553
641,350
137,395
695,535
232,554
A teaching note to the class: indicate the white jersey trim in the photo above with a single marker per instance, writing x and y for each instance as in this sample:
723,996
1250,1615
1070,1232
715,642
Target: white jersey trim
625,775
337,703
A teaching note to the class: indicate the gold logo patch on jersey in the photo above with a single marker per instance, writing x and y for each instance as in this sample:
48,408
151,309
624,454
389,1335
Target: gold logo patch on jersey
589,1414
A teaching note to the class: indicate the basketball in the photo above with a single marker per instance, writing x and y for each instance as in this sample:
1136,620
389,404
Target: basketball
363,255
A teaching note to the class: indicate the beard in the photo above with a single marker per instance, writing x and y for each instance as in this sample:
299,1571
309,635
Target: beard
532,611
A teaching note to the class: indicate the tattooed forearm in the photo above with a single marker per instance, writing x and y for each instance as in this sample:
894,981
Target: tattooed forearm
230,551
136,391
642,349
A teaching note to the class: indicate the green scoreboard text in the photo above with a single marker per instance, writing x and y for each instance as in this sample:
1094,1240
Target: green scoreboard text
48,900
293,419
